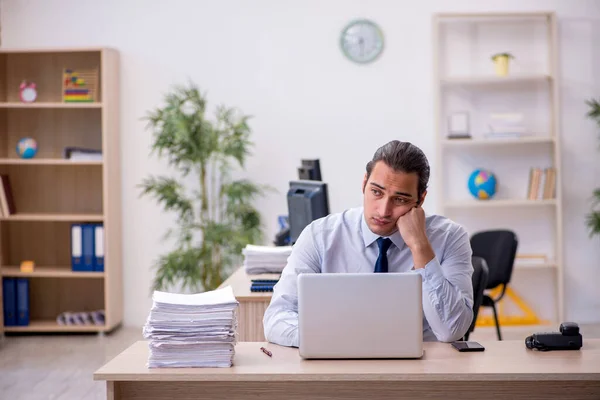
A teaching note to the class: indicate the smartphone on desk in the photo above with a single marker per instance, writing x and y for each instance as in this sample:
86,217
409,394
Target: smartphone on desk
467,346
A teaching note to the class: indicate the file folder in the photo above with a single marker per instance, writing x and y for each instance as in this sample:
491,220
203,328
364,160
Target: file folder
9,299
22,301
76,248
87,246
99,248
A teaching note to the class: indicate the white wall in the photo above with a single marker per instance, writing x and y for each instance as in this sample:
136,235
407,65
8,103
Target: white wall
280,61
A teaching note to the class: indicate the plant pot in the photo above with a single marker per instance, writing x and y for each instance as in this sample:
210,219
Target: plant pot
501,65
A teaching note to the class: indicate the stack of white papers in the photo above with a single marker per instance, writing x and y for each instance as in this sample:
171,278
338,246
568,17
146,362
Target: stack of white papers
192,330
265,259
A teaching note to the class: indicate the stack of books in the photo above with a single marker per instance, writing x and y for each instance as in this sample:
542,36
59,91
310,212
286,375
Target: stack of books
265,259
263,285
192,330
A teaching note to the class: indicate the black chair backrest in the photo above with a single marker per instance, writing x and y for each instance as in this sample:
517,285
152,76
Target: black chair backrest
480,279
498,248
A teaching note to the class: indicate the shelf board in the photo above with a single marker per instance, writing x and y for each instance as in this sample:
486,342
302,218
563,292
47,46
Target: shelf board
493,80
500,203
53,217
49,272
53,326
497,141
57,104
544,265
46,161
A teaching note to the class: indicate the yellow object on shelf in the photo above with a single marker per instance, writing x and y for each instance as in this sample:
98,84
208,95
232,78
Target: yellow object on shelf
27,266
528,316
501,63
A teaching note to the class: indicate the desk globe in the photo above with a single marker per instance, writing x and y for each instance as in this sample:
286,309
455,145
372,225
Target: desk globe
482,184
27,147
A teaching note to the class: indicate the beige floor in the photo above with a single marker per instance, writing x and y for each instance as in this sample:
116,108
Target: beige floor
60,367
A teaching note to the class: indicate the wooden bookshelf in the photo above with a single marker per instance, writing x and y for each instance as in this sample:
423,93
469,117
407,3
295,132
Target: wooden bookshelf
51,193
465,81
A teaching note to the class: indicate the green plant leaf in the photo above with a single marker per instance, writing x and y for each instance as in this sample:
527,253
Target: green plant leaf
593,223
170,193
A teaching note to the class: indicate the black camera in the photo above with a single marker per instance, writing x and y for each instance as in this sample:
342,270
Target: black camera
568,338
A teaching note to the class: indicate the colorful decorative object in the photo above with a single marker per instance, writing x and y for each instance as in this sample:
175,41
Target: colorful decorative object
482,184
27,92
501,63
80,85
27,266
27,148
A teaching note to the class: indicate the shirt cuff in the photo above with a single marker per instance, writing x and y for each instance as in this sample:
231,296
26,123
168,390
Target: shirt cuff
432,273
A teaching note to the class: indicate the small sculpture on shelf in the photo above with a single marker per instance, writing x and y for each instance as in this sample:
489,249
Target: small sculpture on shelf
27,148
482,184
27,92
501,63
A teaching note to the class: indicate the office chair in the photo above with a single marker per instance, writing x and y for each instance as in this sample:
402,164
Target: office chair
498,248
480,278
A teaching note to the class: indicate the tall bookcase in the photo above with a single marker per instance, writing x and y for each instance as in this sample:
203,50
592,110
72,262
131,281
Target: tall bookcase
465,81
51,192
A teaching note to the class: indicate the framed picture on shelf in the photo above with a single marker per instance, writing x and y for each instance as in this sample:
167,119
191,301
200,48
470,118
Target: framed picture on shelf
458,126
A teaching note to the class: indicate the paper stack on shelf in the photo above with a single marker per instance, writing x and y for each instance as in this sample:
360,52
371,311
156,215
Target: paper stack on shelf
265,259
506,125
192,330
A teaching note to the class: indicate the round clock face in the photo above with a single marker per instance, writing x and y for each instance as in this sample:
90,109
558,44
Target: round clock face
28,94
362,41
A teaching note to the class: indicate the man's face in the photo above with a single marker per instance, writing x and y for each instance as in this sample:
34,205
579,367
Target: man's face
388,195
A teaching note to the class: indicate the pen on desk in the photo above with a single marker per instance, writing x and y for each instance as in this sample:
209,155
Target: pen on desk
267,352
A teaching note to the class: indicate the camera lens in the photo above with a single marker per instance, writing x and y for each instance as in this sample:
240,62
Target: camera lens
529,342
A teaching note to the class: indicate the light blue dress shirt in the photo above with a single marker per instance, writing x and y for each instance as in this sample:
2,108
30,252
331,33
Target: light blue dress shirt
343,242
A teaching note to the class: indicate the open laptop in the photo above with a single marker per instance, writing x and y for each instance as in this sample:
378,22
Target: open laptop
360,315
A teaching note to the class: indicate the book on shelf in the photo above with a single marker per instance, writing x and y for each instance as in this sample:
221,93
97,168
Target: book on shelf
542,183
7,201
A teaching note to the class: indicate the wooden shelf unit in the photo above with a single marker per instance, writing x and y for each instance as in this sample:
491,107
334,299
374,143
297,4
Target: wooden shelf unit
465,81
51,192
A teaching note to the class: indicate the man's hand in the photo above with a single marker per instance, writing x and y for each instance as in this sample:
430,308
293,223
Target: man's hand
412,229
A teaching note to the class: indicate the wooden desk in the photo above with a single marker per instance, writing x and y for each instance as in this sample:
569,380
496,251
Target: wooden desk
252,304
506,370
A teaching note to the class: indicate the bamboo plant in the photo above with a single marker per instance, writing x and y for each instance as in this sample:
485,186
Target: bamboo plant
593,217
216,218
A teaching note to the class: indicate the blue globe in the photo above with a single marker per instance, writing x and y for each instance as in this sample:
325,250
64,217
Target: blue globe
482,184
27,147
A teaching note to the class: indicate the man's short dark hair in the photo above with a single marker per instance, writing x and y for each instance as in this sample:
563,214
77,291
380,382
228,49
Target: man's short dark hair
403,157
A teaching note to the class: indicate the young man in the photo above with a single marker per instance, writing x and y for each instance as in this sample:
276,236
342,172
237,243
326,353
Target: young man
390,233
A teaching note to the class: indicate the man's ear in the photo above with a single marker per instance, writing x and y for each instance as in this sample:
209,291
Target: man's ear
422,199
364,183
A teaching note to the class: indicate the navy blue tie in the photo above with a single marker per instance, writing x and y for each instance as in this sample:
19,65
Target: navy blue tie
382,263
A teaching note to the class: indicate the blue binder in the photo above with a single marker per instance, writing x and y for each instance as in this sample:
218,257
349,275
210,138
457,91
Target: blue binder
99,248
22,301
76,247
87,246
9,298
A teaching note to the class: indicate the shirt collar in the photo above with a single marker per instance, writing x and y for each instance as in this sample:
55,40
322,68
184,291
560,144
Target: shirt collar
369,237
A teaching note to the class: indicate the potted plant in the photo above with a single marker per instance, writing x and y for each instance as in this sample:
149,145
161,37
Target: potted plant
215,218
593,217
501,63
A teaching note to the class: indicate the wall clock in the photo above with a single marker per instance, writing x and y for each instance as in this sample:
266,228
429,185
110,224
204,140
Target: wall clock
362,41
